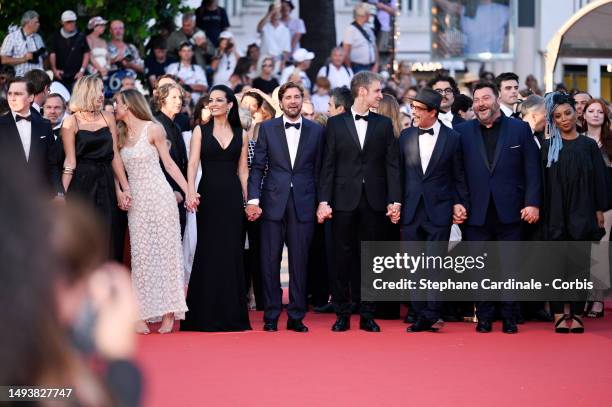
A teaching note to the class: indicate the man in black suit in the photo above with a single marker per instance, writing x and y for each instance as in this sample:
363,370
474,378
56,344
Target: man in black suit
54,110
289,150
435,193
360,184
28,136
446,86
41,84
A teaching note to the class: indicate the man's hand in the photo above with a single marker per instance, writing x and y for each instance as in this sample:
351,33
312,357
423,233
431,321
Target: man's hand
394,212
324,211
459,214
530,214
57,74
253,212
600,218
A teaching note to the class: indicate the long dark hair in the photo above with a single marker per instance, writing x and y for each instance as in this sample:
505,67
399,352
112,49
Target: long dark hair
233,117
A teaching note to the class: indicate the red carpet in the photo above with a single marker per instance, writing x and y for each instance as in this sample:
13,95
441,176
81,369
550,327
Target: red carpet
455,367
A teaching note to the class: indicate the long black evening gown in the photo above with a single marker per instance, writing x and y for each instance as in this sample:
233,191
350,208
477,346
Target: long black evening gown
216,295
93,182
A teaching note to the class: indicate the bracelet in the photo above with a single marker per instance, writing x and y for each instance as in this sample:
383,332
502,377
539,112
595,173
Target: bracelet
68,170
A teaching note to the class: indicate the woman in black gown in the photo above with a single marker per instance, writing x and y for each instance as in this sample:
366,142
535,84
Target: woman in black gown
575,188
92,162
216,293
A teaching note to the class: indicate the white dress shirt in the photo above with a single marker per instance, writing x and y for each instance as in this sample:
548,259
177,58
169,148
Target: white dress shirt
24,127
293,138
446,118
361,126
427,142
506,110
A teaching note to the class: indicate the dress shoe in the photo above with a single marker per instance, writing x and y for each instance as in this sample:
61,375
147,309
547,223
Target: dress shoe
271,325
343,323
484,326
423,326
368,325
543,316
509,326
296,325
324,309
410,318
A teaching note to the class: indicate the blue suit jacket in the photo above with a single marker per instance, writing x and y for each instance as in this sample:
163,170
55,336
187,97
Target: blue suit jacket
513,181
272,151
443,183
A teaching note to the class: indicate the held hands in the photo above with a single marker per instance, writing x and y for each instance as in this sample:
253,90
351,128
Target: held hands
253,212
124,199
600,218
530,214
394,212
459,214
193,201
324,211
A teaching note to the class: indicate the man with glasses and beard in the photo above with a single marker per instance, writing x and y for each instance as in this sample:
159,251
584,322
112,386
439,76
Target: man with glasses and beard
289,151
503,173
447,88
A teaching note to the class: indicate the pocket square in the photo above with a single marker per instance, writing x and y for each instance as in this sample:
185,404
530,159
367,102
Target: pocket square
43,136
517,146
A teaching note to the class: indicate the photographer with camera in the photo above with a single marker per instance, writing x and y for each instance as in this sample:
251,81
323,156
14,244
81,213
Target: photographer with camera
23,47
69,51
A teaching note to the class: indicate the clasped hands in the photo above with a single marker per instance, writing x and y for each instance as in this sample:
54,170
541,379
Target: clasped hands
192,201
253,212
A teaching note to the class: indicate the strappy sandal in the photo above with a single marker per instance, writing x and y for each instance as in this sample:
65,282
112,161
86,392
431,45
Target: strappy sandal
561,324
577,325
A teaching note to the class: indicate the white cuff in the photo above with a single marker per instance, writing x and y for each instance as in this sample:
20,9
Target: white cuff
253,202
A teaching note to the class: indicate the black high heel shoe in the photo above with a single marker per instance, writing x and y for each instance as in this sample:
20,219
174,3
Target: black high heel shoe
577,325
561,324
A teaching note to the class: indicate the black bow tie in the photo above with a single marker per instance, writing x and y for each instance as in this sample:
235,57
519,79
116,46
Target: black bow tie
429,131
28,118
358,117
296,125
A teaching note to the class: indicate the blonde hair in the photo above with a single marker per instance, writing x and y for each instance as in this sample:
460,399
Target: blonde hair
390,108
85,93
137,104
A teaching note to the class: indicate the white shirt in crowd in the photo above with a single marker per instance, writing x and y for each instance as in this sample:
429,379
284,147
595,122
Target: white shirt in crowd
191,75
225,69
295,26
16,44
320,102
506,110
427,142
446,118
275,40
486,31
288,71
361,126
24,127
337,77
362,51
384,18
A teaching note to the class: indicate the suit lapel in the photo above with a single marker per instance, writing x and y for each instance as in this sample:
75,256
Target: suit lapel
13,135
437,151
501,141
480,143
350,124
372,123
283,140
414,151
302,142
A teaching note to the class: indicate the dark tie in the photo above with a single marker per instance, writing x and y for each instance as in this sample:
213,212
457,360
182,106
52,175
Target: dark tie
28,118
360,117
429,131
296,125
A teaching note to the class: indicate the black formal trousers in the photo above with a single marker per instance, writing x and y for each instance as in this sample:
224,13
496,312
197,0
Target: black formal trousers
318,277
494,230
297,236
252,261
349,228
421,229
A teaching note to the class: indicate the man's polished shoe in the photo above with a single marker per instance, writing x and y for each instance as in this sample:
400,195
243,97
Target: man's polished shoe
484,326
325,309
421,326
271,325
368,325
296,325
410,318
343,323
509,327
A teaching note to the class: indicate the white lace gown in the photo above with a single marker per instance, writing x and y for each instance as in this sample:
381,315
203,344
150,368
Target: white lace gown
155,234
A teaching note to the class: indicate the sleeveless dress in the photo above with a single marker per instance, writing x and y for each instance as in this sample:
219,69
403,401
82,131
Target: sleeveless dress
216,295
155,234
93,182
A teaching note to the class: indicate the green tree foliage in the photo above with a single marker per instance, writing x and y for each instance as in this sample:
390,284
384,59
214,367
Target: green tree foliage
142,18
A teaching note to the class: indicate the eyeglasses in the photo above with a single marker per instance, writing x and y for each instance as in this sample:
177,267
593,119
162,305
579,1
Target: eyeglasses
417,107
448,91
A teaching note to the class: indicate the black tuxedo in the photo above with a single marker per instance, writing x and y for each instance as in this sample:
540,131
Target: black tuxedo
42,162
358,184
428,198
